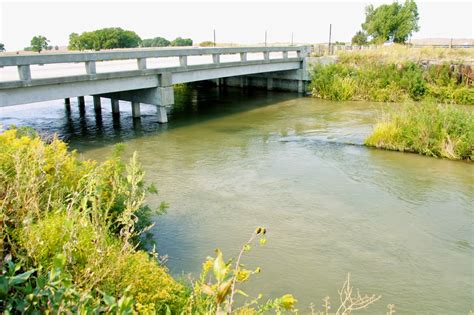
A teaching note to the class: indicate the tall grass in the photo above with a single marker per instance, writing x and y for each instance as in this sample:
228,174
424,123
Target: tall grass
400,53
441,131
391,76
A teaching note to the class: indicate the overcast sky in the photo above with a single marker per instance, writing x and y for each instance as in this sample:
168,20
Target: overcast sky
235,22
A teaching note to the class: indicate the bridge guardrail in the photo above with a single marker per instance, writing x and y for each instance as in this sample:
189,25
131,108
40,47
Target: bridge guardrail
90,58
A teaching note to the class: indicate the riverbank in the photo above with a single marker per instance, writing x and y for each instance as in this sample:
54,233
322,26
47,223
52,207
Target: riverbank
397,74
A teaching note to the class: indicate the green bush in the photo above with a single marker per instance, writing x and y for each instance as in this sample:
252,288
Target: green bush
429,129
54,204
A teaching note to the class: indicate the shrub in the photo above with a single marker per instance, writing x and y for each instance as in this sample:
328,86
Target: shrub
54,204
151,287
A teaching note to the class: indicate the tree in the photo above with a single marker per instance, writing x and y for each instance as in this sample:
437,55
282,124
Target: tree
182,42
74,42
106,38
391,21
39,43
2,47
155,42
359,39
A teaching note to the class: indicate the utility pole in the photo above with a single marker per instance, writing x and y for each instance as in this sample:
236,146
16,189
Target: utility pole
291,38
329,45
265,38
214,37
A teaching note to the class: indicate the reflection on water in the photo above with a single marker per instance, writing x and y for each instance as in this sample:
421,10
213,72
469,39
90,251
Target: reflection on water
230,160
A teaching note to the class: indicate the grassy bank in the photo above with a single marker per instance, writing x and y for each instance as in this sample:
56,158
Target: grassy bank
442,131
396,74
71,242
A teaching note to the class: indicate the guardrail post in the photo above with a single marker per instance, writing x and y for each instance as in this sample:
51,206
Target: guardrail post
243,56
183,61
141,63
266,55
285,55
24,73
216,58
90,67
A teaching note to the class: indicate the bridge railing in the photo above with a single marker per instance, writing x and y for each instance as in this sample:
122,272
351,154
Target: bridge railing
23,62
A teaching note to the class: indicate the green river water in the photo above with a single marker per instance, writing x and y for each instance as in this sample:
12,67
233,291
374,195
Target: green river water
231,160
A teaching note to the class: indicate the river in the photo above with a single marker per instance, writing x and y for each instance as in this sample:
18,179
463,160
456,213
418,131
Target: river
231,160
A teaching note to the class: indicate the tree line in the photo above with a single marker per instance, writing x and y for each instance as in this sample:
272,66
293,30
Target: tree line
116,37
106,38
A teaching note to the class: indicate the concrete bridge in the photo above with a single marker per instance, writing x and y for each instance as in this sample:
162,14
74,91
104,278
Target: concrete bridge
269,67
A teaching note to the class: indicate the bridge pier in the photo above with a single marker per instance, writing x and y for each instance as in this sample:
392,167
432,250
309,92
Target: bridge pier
115,107
97,103
135,109
67,104
243,82
81,101
162,115
269,84
300,86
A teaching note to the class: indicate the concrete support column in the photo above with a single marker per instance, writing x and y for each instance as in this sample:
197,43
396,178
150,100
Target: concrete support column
243,82
300,86
135,109
67,104
216,58
285,55
162,115
269,84
115,106
97,104
266,55
81,101
243,56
